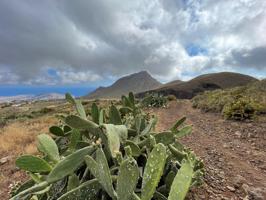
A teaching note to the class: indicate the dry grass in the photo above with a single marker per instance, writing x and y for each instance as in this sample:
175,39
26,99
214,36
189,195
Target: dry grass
20,137
15,139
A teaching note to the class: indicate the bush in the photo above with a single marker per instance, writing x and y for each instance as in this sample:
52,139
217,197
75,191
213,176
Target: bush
240,109
171,97
113,154
236,103
154,100
3,122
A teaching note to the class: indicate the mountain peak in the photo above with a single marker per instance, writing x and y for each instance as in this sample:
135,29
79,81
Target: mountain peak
137,82
144,72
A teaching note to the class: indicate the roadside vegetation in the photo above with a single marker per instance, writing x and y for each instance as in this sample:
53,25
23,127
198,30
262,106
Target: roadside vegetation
114,153
154,100
237,103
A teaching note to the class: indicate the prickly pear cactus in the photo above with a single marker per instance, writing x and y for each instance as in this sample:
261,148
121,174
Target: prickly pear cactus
113,155
127,178
153,171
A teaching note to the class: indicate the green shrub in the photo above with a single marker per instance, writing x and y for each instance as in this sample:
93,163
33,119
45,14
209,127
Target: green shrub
111,154
3,122
154,100
236,103
42,111
240,109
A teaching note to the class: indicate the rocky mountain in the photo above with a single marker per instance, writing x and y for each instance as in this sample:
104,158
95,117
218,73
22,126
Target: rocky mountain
137,82
188,89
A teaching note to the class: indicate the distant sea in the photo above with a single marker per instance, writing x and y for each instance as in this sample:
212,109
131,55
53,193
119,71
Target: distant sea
77,91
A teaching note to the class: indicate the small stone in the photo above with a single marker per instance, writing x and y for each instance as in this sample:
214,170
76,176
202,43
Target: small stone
202,196
232,189
238,181
245,188
238,134
4,160
225,146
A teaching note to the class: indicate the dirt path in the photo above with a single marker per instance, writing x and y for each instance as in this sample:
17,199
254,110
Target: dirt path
233,152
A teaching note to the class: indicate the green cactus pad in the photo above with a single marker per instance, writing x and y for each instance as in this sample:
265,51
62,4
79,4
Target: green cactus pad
34,189
114,135
95,113
164,137
131,98
33,164
74,138
134,148
114,116
183,132
150,126
180,155
79,107
153,171
69,164
86,191
48,146
126,102
73,182
127,179
100,170
102,117
182,182
79,123
56,130
178,123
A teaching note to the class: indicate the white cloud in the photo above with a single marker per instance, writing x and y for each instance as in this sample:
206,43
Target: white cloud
72,77
87,41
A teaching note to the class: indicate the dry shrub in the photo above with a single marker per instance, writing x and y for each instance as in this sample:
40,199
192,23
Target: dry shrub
19,137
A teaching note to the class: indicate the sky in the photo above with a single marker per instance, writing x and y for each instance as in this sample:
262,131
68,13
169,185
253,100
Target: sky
87,43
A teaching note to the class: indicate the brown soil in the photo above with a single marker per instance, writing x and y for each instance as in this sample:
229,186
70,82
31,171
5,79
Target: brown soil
233,152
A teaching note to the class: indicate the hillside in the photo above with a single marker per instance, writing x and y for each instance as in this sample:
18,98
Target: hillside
235,103
172,83
137,82
189,89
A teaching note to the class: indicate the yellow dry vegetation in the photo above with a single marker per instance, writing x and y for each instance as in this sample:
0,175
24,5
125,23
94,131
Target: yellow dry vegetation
16,138
20,137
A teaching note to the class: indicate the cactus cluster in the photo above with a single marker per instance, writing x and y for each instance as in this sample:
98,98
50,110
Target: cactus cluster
113,153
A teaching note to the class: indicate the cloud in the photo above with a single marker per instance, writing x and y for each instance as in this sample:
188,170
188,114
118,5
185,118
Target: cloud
88,41
255,58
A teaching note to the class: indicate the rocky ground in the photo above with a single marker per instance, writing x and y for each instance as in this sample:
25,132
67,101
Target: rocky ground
234,153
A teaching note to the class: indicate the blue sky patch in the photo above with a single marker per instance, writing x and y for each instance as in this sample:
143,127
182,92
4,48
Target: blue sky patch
195,50
52,72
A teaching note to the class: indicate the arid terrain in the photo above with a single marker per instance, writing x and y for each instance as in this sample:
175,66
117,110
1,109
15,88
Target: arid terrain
233,152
